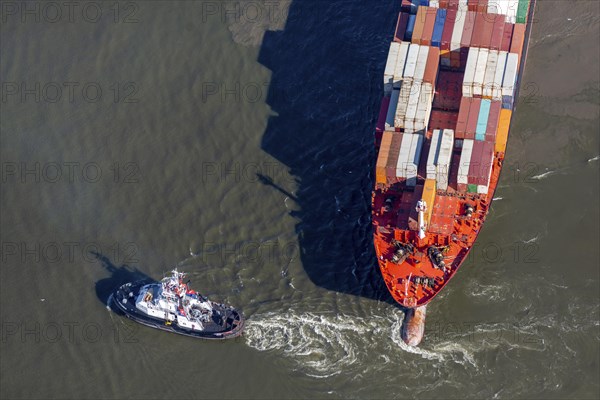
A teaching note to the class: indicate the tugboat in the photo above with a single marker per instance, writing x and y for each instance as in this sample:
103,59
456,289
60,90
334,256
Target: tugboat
172,306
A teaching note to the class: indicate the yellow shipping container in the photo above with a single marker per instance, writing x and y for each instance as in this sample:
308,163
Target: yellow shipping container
384,151
502,134
428,196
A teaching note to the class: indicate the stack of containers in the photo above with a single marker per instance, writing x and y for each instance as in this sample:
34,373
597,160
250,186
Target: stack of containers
510,80
522,11
507,36
447,37
469,77
401,24
392,159
389,119
497,32
499,75
480,168
471,128
490,74
467,34
482,119
429,192
390,65
408,159
456,38
508,8
502,132
430,18
419,25
492,123
464,165
383,110
463,117
480,68
399,66
440,156
380,165
518,40
438,28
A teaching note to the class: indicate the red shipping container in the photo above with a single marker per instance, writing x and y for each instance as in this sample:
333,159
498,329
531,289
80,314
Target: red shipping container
473,116
463,117
432,65
465,40
429,25
401,27
475,163
453,4
487,154
488,27
516,44
506,36
385,104
473,4
444,3
419,24
482,6
448,29
477,37
406,6
492,123
497,32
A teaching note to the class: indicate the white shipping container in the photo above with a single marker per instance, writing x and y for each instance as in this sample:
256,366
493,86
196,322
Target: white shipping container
413,159
434,3
424,106
465,161
444,159
402,104
467,89
390,65
490,72
510,74
480,72
400,62
432,157
403,156
498,7
391,114
411,110
421,63
500,65
411,61
459,25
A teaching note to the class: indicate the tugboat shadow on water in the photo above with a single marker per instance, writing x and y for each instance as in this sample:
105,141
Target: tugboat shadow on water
118,276
324,91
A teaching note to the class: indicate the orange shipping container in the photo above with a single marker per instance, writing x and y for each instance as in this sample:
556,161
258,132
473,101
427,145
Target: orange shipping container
502,134
384,150
431,13
516,44
429,190
419,24
431,68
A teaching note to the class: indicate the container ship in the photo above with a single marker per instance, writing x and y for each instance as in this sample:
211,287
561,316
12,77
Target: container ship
450,87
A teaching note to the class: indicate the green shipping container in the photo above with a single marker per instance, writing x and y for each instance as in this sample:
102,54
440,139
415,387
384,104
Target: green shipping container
472,188
522,11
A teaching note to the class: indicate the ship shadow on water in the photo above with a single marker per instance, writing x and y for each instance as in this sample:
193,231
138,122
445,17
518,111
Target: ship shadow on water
325,90
118,276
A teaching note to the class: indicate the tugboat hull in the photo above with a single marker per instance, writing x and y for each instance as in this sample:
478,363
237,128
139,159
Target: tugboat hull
226,324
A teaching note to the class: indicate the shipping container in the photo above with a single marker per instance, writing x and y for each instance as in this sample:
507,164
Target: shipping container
463,117
380,175
413,159
469,77
464,165
409,7
502,132
518,38
432,157
434,3
477,37
432,66
421,63
400,62
522,11
411,61
403,156
510,75
401,24
480,72
490,73
487,162
507,36
402,103
383,110
444,158
423,108
497,32
428,196
482,119
391,114
475,166
499,75
410,27
419,25
388,74
438,29
449,23
392,159
457,31
411,109
492,124
473,117
465,41
431,15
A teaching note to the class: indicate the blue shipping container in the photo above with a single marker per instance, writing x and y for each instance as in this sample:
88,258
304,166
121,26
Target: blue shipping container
482,120
507,102
440,20
410,27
